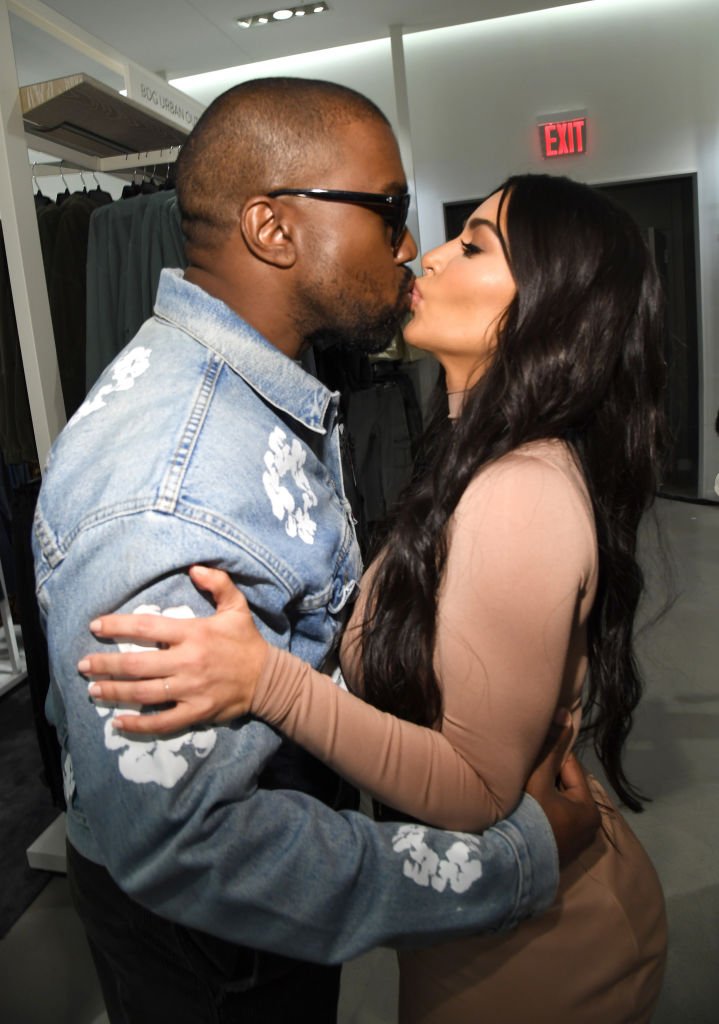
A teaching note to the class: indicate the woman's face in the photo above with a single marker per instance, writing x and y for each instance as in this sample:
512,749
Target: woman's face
457,303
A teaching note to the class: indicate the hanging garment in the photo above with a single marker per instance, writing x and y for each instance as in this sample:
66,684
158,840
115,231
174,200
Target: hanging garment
7,560
17,440
384,423
66,271
382,429
130,242
63,234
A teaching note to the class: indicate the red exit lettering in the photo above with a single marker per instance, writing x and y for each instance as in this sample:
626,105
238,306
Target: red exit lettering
562,138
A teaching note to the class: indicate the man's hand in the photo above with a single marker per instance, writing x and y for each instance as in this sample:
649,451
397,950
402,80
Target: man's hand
559,785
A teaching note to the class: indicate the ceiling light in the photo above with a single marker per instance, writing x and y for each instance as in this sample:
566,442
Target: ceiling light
281,14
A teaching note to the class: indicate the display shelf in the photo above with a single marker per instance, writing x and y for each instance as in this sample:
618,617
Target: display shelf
89,117
84,124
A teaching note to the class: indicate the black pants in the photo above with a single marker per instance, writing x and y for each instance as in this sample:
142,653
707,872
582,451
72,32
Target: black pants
152,970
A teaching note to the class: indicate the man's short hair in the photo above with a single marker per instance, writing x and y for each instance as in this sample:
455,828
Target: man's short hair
263,134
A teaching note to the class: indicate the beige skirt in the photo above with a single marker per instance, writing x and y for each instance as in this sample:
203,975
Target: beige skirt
596,957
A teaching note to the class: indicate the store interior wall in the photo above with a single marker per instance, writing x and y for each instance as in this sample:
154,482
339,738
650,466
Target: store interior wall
644,71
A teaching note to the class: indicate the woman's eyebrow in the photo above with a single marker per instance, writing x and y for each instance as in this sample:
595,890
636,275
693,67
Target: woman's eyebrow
481,222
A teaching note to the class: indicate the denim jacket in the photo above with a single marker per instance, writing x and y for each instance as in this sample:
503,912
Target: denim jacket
202,443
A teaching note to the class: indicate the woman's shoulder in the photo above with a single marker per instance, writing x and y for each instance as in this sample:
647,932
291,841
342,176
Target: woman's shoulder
553,455
538,476
550,462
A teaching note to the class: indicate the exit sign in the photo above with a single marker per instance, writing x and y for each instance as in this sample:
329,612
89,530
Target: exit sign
563,134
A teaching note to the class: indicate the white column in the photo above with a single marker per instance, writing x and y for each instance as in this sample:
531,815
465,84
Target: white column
404,132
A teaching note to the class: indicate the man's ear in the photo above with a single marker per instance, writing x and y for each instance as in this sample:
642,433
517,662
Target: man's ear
268,231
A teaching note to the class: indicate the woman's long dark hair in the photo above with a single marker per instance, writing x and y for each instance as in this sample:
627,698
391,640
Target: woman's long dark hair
580,357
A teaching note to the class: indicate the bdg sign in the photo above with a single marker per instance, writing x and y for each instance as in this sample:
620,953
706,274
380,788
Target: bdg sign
563,135
162,98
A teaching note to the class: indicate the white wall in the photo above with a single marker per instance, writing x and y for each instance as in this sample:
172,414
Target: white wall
646,71
366,67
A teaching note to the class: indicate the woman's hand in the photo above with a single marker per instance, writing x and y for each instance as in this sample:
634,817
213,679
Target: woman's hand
208,667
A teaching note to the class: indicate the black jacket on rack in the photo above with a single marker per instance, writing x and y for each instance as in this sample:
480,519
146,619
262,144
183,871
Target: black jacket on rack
130,242
382,429
64,239
17,439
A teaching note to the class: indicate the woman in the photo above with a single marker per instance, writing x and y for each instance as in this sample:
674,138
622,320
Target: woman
507,588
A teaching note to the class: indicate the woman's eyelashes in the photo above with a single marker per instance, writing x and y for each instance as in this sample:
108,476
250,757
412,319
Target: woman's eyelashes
469,249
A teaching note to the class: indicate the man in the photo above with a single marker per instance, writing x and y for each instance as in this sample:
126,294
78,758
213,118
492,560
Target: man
206,442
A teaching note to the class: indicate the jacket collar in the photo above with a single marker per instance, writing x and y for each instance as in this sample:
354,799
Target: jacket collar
280,380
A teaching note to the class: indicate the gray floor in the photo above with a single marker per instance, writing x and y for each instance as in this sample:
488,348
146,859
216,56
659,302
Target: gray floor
46,975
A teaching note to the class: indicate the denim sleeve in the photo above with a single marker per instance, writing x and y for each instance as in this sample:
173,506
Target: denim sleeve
183,828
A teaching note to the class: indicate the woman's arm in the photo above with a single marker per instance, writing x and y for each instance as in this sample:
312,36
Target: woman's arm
219,668
518,554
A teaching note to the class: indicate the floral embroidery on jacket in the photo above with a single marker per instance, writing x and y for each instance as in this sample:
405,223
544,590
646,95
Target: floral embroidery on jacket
124,374
459,868
149,758
282,460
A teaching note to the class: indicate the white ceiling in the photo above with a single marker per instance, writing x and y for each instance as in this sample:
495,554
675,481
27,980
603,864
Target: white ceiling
183,37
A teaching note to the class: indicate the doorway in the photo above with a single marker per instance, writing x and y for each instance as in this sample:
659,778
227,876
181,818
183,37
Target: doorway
665,210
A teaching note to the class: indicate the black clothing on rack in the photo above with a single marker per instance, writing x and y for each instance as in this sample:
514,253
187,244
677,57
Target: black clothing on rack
383,426
130,242
67,290
17,438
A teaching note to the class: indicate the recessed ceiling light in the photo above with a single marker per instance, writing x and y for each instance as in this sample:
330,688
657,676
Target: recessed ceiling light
281,14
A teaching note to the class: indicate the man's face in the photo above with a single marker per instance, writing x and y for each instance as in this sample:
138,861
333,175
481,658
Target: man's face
355,289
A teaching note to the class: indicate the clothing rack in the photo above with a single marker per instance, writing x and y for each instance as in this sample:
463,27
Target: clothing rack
124,167
108,165
85,124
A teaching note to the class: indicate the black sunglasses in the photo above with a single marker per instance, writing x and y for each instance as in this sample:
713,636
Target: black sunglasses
392,209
